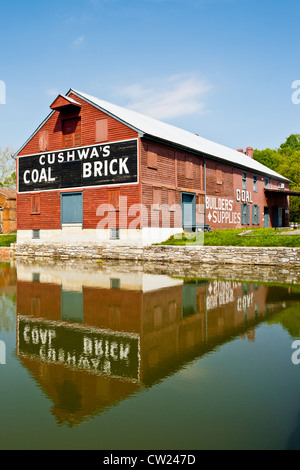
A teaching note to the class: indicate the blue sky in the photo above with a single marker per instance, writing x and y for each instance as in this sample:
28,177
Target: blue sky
220,68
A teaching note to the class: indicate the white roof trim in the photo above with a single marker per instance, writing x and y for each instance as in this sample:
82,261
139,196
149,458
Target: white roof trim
34,133
175,135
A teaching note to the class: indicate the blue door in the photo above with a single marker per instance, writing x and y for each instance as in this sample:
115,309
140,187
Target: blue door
188,211
189,299
266,217
72,306
71,208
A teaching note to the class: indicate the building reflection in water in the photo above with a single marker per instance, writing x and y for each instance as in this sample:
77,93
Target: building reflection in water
93,338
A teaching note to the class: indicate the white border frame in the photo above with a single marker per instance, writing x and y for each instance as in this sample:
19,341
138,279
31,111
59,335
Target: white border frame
81,187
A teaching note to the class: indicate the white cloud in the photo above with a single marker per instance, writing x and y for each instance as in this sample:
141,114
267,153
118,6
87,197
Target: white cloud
167,98
52,92
78,41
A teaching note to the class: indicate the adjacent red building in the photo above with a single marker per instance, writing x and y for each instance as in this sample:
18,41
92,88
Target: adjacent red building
94,172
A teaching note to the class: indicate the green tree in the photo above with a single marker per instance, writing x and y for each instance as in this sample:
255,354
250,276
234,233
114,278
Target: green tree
292,143
10,181
267,157
286,161
7,168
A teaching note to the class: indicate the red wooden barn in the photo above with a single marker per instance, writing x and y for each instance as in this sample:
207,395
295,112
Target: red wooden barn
94,172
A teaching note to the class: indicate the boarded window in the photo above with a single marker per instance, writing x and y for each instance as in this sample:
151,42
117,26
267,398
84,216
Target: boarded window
152,160
157,197
189,168
114,198
35,204
102,130
71,131
245,214
43,140
171,200
219,175
255,215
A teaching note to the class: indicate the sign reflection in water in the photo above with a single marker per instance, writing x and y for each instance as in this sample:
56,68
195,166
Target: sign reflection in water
91,339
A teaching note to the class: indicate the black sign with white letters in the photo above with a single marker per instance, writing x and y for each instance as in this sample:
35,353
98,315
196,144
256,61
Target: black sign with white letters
97,165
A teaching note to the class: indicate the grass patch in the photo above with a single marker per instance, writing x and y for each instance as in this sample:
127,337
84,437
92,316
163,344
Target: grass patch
229,237
7,239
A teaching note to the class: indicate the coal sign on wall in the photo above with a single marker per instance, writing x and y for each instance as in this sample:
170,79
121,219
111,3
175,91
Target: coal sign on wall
96,165
100,352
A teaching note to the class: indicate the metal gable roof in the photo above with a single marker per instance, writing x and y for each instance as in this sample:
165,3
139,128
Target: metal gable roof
167,132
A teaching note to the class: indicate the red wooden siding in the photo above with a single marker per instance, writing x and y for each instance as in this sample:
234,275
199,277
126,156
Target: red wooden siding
43,140
164,177
219,178
94,198
157,164
89,115
48,216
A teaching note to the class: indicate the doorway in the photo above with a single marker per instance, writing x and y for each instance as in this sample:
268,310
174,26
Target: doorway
188,204
71,208
266,217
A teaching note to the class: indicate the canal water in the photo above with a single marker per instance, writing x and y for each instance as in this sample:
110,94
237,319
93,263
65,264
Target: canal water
114,358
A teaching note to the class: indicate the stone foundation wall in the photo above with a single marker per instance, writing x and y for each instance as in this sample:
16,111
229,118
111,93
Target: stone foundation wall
216,255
